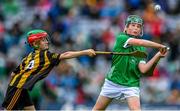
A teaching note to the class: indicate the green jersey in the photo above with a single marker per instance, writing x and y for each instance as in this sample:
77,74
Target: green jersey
124,69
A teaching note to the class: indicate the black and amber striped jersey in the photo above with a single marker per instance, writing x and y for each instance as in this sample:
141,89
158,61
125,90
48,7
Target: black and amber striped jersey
33,68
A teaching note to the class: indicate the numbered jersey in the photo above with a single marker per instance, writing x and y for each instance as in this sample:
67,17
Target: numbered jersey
33,68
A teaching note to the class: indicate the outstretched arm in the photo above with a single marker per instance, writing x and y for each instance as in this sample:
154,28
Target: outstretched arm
149,67
145,43
73,54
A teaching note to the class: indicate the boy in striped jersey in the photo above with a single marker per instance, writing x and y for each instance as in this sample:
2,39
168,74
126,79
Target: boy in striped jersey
33,68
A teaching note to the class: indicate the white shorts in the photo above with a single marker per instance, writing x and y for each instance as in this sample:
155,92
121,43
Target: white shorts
117,91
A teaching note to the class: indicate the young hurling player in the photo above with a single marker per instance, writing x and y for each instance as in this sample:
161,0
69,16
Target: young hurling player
33,68
122,81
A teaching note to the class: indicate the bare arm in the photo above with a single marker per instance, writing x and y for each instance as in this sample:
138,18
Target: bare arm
149,67
145,43
73,54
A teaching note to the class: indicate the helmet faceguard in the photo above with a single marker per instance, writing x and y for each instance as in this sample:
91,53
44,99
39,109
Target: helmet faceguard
34,35
135,19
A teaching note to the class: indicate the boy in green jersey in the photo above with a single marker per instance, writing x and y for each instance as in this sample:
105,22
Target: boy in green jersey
122,81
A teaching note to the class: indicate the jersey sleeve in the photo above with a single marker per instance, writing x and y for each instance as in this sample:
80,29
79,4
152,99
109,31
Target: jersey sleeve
122,41
126,45
54,58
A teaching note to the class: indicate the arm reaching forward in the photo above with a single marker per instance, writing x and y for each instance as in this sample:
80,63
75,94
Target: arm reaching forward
145,43
73,54
149,67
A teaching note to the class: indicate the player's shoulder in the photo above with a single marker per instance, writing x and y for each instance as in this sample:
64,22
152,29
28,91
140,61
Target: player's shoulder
41,51
49,51
26,56
52,53
122,35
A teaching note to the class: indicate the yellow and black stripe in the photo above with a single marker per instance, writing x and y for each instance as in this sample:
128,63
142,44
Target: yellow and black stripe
14,99
21,70
44,61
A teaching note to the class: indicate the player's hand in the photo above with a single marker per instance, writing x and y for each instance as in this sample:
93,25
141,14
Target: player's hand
90,52
163,50
161,55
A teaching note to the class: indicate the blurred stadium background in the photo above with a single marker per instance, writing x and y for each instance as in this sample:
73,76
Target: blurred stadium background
82,24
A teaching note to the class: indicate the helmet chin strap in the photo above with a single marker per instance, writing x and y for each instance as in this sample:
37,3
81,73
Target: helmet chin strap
36,47
141,32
